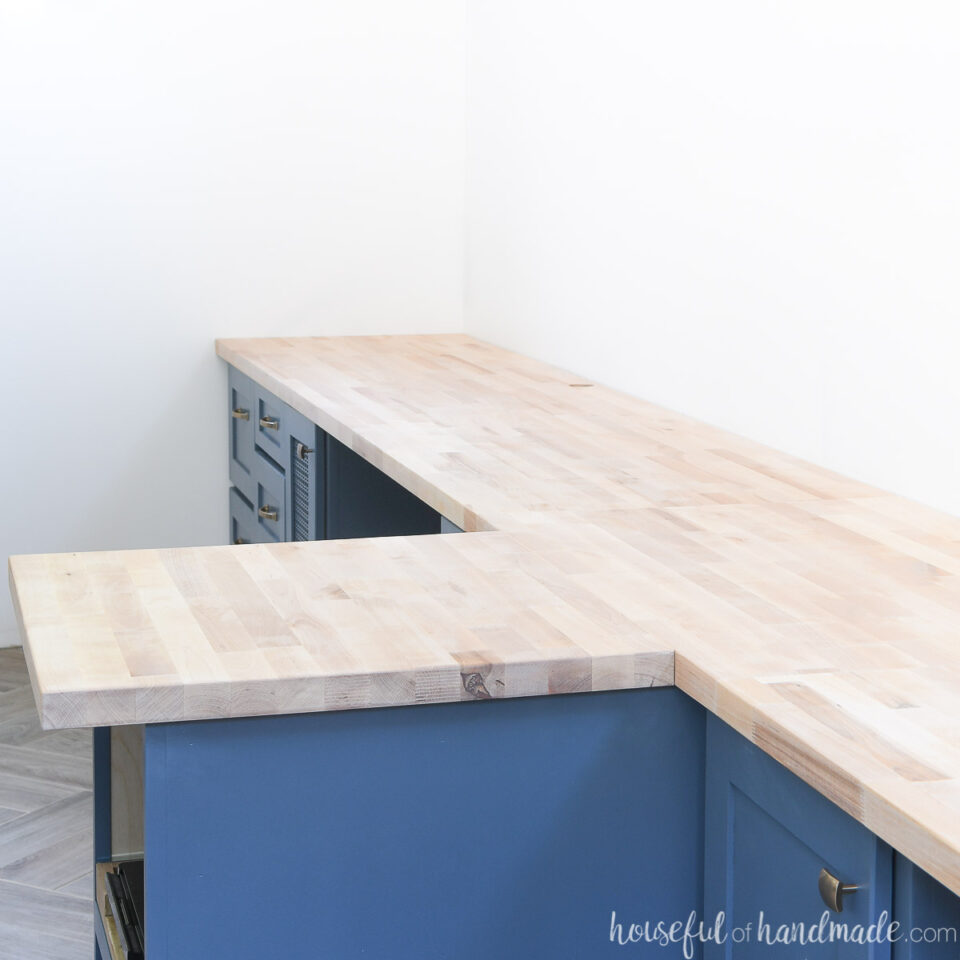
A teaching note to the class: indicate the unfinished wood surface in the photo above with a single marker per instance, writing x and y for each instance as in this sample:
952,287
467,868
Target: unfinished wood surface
331,625
126,791
114,943
815,614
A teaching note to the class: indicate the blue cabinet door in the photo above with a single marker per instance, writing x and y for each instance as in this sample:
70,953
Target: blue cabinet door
768,836
928,914
242,413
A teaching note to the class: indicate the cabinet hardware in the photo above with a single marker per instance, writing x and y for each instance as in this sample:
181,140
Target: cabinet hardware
268,513
303,451
269,423
240,414
832,891
239,540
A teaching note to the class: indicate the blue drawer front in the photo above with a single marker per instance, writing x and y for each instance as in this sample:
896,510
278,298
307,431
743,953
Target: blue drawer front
269,503
271,429
243,521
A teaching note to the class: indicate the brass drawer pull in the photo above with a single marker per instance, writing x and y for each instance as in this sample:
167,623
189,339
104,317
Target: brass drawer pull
303,451
832,891
269,513
239,540
269,423
240,414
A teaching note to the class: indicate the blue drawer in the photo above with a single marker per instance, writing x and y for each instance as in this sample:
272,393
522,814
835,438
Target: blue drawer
269,500
243,521
271,425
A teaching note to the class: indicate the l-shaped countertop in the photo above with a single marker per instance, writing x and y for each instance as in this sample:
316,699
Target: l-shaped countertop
610,544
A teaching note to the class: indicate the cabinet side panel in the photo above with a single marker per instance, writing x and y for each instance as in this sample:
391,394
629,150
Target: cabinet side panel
929,915
163,849
506,828
102,830
126,791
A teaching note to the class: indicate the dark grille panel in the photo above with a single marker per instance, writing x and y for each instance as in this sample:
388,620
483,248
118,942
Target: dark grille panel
301,497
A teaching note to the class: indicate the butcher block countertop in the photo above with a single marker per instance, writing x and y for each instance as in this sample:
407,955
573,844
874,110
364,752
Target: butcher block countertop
611,544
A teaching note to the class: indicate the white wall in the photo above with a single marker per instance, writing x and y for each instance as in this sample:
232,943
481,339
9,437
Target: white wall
747,211
177,171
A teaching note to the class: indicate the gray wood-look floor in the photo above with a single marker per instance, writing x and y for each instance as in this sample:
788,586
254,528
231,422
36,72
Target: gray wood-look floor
46,829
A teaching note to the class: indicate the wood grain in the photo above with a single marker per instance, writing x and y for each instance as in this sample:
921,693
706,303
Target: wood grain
114,943
126,791
288,628
622,545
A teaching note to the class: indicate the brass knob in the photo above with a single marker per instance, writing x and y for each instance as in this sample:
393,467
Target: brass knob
268,513
240,414
832,891
269,423
239,540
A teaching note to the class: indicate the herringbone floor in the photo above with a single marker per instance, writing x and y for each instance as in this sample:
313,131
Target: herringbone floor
46,829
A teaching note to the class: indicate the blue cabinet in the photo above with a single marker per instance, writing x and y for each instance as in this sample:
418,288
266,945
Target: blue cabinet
269,500
291,481
513,828
541,827
768,837
241,412
928,914
510,829
276,468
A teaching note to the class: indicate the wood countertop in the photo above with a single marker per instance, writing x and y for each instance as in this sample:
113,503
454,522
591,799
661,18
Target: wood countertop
621,545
